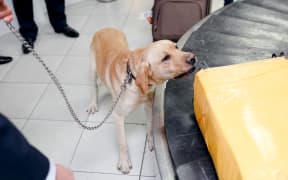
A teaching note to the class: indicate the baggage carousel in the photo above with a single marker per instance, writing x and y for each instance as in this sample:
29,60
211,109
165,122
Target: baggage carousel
244,31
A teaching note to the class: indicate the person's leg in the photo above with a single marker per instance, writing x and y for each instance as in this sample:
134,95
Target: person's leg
24,14
56,13
57,17
226,2
28,27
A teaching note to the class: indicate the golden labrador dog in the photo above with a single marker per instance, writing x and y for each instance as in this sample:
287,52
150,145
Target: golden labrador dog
149,66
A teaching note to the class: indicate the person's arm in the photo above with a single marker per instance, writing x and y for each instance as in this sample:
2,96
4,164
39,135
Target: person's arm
59,172
52,171
20,160
5,12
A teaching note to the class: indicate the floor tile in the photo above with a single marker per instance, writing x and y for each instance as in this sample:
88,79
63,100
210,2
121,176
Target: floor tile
138,116
119,7
136,41
149,166
97,176
84,8
135,29
53,44
140,6
12,46
18,100
81,47
134,22
5,68
57,140
98,150
97,22
19,123
105,102
52,106
74,71
76,58
147,178
76,22
28,69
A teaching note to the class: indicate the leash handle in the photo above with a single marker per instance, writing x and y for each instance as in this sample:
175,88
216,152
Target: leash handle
59,86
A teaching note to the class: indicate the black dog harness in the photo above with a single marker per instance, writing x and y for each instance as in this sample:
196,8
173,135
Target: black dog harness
129,73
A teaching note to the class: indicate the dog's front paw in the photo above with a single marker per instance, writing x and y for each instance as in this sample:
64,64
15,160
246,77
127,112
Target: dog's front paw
92,108
124,166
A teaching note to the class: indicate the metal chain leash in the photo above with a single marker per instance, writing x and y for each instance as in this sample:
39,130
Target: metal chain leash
60,88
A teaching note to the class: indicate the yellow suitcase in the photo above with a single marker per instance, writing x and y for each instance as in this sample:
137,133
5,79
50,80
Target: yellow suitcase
242,111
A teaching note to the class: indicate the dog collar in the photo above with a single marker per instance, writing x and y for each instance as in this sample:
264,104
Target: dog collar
129,73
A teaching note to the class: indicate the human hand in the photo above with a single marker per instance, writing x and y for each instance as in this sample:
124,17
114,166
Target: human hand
63,173
5,12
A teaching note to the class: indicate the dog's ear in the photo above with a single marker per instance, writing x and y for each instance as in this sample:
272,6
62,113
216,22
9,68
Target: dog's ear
143,69
142,77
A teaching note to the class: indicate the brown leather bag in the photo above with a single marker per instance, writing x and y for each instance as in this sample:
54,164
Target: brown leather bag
172,18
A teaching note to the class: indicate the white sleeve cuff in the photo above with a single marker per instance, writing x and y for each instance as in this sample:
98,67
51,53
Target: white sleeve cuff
52,171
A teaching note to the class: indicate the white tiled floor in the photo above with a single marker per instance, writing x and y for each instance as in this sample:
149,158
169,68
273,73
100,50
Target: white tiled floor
32,102
22,70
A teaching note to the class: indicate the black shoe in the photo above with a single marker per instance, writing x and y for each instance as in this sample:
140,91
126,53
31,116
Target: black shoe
27,50
5,59
68,31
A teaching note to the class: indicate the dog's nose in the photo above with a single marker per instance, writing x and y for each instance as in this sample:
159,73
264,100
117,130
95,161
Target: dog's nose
191,59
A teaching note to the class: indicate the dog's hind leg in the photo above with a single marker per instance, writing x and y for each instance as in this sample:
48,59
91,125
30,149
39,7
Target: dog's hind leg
93,107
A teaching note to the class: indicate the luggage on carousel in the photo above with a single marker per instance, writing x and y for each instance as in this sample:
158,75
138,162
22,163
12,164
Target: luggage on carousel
242,113
172,18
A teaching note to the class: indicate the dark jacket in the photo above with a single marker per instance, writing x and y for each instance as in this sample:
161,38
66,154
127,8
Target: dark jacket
18,159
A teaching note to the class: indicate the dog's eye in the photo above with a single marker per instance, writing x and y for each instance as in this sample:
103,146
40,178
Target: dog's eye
176,47
167,57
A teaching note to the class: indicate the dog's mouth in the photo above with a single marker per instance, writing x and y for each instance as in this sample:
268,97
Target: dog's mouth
185,73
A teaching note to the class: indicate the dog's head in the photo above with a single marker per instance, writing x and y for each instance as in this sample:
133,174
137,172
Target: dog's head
161,61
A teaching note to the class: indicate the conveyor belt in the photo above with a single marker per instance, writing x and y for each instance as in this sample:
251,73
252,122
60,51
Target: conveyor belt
246,30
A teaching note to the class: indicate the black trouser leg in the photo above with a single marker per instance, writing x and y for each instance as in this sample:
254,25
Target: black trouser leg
24,14
56,13
226,2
